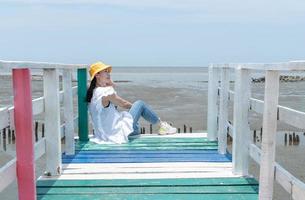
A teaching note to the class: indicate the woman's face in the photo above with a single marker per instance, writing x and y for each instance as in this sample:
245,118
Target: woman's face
103,76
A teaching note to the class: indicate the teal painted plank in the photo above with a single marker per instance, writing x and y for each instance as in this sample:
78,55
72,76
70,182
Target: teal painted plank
147,148
151,182
91,144
82,104
245,189
161,139
151,197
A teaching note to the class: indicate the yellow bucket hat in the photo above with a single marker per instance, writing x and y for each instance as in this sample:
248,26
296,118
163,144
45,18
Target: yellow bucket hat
97,67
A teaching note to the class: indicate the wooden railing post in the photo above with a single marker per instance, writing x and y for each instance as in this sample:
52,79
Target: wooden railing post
223,111
212,102
52,121
266,177
82,105
68,112
23,118
241,129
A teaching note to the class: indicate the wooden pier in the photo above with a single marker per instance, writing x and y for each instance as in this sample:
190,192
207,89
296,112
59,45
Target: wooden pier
182,166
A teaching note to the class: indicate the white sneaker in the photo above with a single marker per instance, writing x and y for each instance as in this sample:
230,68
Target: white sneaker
165,129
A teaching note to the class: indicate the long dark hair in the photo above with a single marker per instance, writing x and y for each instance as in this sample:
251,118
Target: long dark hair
90,90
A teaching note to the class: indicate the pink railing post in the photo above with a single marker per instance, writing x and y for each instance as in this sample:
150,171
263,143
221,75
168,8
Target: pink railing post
24,135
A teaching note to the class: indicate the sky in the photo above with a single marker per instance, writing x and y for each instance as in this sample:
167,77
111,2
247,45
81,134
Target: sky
152,32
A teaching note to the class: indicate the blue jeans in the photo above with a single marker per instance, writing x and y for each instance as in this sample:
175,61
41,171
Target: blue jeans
141,109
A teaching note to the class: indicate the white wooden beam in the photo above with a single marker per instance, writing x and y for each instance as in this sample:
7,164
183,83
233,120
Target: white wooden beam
212,102
269,132
7,174
291,184
223,111
52,121
241,129
68,112
39,65
4,118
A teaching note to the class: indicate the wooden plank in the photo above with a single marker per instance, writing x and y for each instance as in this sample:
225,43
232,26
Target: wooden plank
68,112
52,121
257,105
149,165
223,111
82,105
7,174
282,66
38,106
291,184
218,174
241,129
181,135
39,65
40,148
268,140
212,102
4,118
23,118
293,117
153,197
92,170
244,189
154,182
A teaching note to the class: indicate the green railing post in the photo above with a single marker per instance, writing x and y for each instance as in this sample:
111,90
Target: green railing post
82,105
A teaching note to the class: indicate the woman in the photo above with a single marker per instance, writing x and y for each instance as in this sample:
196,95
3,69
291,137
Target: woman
110,125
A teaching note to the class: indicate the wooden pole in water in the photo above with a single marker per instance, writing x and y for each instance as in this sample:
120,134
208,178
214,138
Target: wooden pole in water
266,177
82,105
23,118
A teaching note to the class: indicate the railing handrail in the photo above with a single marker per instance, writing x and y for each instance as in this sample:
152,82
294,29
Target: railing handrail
298,65
38,65
291,184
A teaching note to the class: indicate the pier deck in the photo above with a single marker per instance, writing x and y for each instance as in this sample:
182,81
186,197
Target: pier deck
182,166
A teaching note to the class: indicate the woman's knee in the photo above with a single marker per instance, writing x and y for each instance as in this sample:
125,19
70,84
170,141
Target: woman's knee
139,102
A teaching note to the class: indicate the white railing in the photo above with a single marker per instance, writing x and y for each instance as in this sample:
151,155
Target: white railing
272,112
49,104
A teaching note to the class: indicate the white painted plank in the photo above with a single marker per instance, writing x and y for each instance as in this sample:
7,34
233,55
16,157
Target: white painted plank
241,133
293,117
40,148
257,105
212,102
221,174
92,170
180,135
223,111
291,184
269,136
282,66
4,118
7,174
68,112
255,153
39,65
52,121
149,165
38,106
